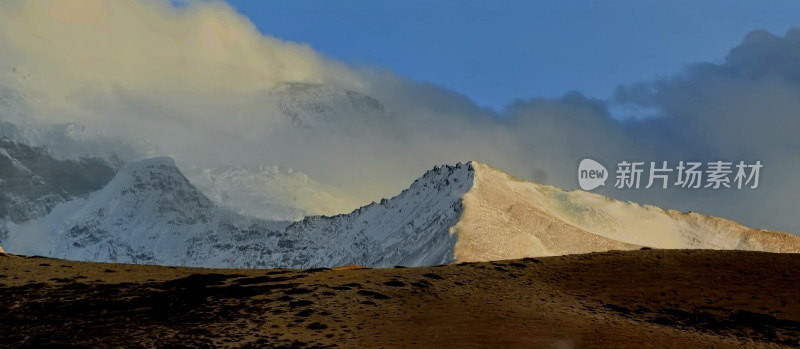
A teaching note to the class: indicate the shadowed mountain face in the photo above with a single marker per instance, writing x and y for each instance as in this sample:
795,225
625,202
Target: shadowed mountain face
32,182
150,213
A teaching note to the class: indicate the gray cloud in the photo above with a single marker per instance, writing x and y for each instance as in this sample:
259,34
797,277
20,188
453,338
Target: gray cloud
219,93
745,108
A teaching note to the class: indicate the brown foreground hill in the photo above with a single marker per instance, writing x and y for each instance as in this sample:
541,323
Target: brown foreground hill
632,299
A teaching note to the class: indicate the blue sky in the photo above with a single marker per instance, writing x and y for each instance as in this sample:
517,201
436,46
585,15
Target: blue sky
199,99
496,51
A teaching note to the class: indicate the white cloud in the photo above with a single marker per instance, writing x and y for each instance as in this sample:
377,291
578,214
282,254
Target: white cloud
98,45
198,83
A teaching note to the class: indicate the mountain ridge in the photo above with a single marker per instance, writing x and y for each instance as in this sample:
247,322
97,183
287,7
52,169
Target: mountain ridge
549,213
151,213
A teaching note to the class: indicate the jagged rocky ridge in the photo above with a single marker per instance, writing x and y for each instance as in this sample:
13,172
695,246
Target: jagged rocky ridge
150,213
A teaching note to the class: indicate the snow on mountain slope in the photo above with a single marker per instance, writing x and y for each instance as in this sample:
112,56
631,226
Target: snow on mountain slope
505,217
150,213
324,107
32,182
270,192
413,228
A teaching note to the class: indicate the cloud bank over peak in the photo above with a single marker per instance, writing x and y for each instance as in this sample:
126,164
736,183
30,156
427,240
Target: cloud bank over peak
205,47
201,84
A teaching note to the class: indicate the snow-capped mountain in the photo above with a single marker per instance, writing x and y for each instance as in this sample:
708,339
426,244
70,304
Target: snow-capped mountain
505,217
323,107
270,192
33,182
150,213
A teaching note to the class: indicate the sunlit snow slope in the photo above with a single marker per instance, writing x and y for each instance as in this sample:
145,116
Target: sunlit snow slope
150,213
505,217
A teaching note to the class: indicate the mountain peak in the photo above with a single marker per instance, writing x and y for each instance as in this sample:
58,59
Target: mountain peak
157,184
164,161
506,217
156,174
150,213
